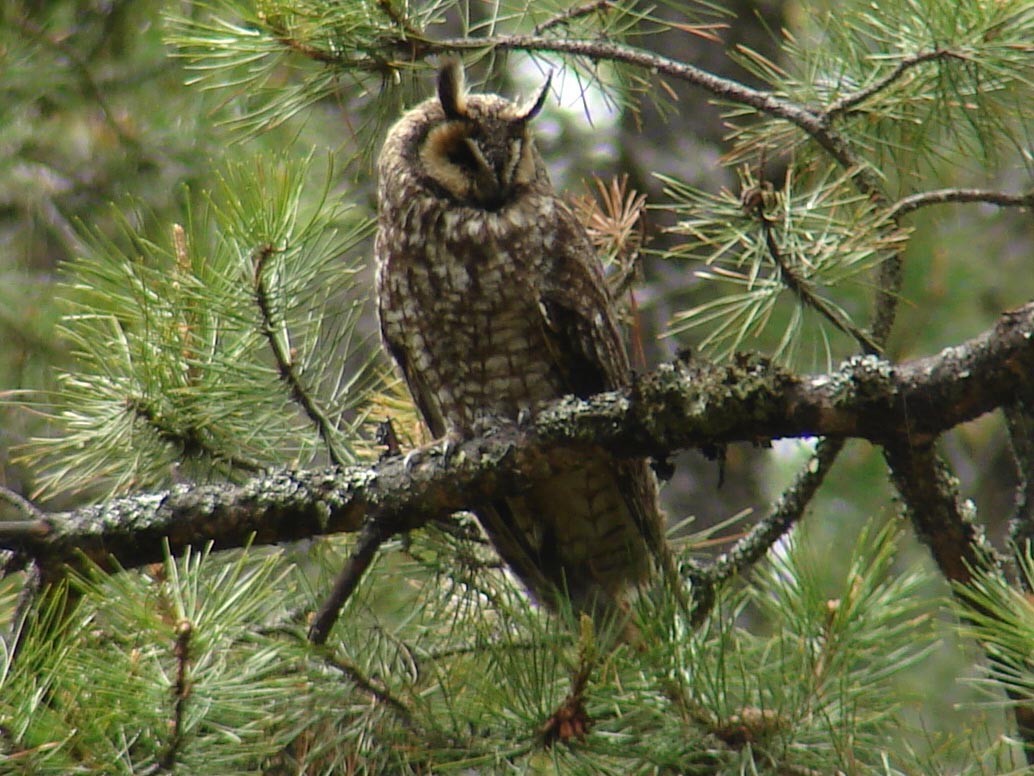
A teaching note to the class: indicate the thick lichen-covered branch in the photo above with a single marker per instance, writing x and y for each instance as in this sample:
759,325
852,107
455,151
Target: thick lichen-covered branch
942,521
676,407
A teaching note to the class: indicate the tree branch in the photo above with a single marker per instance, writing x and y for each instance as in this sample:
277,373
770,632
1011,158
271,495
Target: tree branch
724,88
285,363
569,15
943,196
372,536
849,101
22,504
677,406
932,502
1019,419
803,289
765,533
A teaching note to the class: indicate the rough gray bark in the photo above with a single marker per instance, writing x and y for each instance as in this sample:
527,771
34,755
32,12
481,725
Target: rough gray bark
900,407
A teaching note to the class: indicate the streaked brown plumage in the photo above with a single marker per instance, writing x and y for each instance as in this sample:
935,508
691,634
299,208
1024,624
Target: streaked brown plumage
492,302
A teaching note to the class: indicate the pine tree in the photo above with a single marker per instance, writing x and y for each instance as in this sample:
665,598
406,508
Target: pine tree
219,559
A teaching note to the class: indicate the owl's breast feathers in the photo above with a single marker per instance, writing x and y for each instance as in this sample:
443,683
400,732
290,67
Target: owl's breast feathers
489,313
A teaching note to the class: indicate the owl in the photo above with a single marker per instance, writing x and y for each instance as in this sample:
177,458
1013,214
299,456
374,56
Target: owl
492,302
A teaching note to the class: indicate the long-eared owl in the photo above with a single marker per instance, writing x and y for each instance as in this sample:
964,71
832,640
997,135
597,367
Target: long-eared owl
492,302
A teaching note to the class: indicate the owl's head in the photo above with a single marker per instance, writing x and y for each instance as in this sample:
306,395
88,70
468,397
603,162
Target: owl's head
477,148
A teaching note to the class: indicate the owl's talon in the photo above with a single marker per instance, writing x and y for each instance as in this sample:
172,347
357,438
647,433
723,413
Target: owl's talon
485,422
411,460
449,447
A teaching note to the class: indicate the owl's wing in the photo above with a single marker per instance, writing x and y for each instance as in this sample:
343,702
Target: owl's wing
578,315
423,396
585,343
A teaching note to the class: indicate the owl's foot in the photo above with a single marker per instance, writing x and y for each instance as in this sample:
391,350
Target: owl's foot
446,448
485,421
524,418
450,444
412,458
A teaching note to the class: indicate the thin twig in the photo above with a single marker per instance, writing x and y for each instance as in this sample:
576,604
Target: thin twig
181,694
811,122
849,101
285,360
725,88
190,440
24,608
398,19
784,515
375,532
480,647
372,687
21,503
802,288
914,202
571,719
572,13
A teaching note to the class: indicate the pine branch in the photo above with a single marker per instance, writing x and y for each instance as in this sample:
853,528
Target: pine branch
1019,419
849,101
945,524
764,102
766,532
191,441
372,687
932,501
28,597
285,360
803,290
943,196
22,504
372,536
181,693
676,407
814,123
569,15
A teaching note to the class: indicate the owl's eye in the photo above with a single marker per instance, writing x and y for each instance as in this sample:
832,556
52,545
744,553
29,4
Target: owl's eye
461,154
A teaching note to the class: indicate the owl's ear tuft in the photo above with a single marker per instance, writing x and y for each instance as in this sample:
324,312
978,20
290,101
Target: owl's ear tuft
533,108
451,89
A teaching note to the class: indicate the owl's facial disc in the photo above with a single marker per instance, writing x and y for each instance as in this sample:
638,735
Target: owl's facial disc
479,164
478,156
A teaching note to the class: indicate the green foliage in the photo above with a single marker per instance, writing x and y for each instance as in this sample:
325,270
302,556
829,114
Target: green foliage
93,112
1000,616
194,351
171,659
200,661
801,244
275,59
216,330
925,81
251,50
